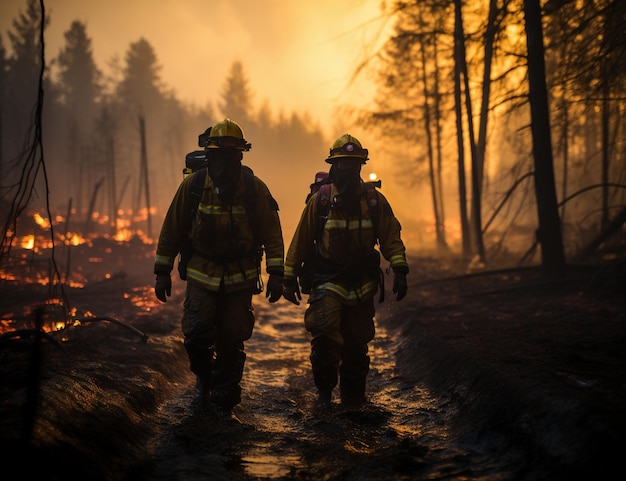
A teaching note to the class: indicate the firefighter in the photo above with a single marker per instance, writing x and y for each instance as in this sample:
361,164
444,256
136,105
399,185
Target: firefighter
345,273
235,221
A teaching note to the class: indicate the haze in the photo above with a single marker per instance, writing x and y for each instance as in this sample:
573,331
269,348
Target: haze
298,55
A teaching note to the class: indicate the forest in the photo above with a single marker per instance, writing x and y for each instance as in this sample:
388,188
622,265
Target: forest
500,123
497,129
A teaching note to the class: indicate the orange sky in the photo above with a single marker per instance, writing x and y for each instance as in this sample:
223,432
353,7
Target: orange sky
298,54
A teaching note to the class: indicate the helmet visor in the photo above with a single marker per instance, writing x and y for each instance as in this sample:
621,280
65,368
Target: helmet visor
228,142
349,149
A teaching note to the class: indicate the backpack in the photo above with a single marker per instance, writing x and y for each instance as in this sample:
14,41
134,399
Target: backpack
321,178
324,202
197,161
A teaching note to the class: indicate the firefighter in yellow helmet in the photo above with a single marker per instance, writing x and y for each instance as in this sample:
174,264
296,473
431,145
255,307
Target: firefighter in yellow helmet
235,221
343,266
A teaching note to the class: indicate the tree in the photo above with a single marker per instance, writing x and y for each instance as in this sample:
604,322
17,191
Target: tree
587,84
140,96
460,69
549,232
78,75
3,100
411,98
141,86
236,95
22,78
80,92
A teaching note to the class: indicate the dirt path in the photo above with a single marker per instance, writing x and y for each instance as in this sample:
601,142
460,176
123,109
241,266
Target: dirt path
487,378
400,434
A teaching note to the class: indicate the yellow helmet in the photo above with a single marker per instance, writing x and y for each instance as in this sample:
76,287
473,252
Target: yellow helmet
347,146
227,134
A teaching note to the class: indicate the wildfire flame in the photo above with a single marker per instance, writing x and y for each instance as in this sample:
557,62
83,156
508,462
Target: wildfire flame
41,221
28,242
81,260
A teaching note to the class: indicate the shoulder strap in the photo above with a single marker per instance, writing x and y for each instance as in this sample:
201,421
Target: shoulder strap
323,205
250,201
372,203
197,186
250,198
186,250
323,200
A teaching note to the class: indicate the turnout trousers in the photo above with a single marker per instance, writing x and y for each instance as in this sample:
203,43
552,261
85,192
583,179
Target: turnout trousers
215,326
339,347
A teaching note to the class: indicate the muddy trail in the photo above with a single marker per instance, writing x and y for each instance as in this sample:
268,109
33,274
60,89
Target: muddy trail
483,376
400,434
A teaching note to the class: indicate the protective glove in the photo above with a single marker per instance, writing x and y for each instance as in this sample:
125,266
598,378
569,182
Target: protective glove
291,291
399,284
274,287
163,287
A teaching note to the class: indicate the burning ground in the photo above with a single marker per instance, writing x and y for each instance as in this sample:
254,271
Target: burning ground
477,376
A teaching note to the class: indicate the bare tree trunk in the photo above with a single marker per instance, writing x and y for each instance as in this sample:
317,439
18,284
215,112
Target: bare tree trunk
549,232
110,162
3,69
437,108
606,114
565,149
144,171
68,245
458,109
476,218
92,205
481,146
429,143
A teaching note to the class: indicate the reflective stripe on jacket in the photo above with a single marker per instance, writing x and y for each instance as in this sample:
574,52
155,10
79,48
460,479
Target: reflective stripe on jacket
222,236
347,243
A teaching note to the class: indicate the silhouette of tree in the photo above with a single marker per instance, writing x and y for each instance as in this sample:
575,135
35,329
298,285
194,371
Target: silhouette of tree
3,99
586,87
80,91
79,76
22,78
141,102
549,232
140,86
236,96
412,98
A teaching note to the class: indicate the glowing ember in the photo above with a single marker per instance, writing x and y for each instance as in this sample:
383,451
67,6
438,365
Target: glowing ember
41,222
28,242
74,239
80,258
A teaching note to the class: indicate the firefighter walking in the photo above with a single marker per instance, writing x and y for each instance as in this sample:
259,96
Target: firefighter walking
342,265
236,220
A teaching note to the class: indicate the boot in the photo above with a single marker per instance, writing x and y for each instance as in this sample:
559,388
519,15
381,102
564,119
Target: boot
201,394
352,393
223,413
352,399
323,401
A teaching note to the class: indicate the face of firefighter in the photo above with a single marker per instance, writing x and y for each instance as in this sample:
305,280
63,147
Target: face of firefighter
224,168
346,175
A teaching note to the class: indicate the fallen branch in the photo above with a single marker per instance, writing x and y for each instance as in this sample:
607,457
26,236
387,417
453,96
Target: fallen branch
143,335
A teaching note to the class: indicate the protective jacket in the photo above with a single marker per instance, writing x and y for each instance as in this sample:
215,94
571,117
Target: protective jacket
228,240
343,257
